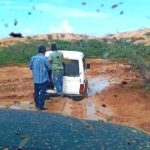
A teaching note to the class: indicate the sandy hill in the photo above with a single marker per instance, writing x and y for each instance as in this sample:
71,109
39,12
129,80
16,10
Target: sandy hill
139,36
54,36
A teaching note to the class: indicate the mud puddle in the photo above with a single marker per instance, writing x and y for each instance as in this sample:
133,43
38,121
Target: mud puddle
96,85
90,110
27,105
24,105
97,110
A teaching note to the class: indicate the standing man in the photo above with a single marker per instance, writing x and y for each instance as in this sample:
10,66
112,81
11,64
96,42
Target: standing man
56,60
40,66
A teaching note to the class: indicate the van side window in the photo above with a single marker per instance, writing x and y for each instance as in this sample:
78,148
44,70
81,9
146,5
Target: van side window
71,68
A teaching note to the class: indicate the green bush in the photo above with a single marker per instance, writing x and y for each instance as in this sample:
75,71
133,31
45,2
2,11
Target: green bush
135,54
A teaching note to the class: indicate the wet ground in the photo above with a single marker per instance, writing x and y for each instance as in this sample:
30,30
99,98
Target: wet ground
115,95
28,130
87,106
97,84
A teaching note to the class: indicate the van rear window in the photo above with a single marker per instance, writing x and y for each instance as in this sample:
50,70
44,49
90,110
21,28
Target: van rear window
71,68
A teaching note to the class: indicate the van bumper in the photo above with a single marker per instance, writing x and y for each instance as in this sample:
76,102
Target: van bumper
72,96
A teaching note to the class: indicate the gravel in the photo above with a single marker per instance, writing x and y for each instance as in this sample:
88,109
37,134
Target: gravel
30,130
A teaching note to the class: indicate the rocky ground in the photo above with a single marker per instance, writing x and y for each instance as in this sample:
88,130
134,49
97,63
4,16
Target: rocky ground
115,94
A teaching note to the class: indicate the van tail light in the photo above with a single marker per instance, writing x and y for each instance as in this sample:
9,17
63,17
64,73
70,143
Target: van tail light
81,89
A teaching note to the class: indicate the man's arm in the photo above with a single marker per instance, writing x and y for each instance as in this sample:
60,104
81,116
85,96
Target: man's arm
31,64
47,64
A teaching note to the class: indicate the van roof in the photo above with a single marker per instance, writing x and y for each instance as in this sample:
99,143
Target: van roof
69,54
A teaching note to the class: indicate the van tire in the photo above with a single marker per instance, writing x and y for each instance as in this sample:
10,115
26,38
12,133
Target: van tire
78,98
86,89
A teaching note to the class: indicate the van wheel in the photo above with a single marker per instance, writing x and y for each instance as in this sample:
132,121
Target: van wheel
86,90
77,98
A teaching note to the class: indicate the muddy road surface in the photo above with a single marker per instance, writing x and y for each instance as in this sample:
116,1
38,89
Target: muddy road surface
115,94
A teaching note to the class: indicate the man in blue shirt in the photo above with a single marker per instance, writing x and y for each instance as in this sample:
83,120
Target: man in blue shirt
40,66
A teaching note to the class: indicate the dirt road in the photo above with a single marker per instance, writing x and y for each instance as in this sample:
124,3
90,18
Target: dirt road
115,94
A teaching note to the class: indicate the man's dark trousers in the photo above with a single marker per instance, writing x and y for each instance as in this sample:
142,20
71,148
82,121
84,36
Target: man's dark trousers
39,94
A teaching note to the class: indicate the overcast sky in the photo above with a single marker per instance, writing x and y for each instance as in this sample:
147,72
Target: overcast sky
92,17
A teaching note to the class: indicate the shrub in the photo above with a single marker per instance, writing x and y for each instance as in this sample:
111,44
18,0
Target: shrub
137,55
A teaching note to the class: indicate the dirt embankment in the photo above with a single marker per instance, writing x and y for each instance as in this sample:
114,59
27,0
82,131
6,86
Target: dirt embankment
121,99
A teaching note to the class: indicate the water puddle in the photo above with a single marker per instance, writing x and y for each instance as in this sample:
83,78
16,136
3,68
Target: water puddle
90,110
97,84
26,105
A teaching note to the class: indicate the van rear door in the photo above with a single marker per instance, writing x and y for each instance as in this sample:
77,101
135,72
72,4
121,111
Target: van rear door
71,79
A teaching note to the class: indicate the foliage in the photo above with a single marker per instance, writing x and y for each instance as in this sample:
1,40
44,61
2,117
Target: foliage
135,54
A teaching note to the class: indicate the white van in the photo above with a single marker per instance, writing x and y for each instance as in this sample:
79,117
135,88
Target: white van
75,81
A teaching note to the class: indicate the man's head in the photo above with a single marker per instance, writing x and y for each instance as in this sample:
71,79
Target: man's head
41,49
53,46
